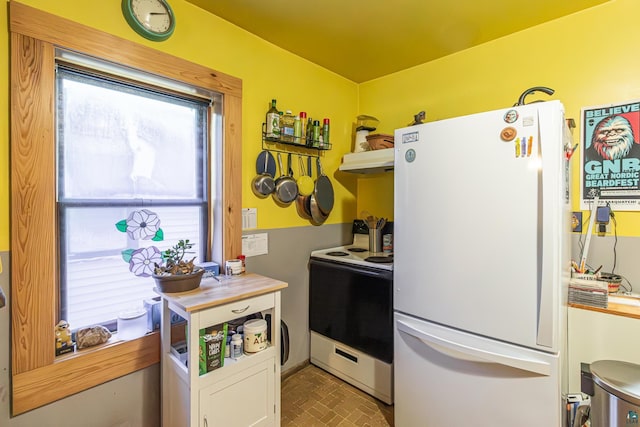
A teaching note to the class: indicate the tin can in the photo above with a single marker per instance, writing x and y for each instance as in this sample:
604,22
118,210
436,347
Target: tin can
387,243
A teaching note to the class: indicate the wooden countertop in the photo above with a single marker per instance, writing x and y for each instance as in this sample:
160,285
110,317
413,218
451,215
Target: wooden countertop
614,308
212,293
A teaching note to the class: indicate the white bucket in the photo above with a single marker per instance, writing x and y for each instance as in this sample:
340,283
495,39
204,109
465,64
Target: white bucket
132,324
255,335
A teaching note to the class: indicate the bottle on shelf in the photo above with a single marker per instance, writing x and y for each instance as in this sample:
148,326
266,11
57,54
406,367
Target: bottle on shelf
303,130
315,134
325,133
297,130
309,132
286,127
273,123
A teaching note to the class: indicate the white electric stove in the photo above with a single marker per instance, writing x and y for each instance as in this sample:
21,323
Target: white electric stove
351,314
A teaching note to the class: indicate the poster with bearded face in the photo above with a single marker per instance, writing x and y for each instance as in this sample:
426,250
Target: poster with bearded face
611,156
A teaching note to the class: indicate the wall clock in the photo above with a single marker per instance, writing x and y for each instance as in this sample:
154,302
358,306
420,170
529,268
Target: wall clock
152,19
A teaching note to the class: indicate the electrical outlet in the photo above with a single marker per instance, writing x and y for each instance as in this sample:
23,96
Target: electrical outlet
602,229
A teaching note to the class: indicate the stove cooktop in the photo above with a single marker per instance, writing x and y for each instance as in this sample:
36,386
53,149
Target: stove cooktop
356,255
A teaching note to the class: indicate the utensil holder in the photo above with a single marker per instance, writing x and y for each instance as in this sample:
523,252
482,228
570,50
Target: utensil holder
375,240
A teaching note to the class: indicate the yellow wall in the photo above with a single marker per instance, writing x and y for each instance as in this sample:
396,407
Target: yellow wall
589,58
266,71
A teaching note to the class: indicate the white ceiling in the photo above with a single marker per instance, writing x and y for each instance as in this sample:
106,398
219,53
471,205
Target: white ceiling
365,39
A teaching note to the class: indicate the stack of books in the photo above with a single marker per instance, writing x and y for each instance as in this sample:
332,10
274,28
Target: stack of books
588,289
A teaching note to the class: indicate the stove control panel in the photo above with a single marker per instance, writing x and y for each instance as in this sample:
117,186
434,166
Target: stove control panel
360,227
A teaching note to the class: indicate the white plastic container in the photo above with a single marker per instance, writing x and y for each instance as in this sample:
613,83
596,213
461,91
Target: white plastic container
233,267
255,335
132,324
236,346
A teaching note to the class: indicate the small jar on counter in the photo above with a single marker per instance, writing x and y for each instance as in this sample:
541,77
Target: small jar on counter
242,258
233,267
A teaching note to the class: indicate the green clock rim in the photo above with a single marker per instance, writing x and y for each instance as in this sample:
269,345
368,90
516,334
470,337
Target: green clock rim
127,11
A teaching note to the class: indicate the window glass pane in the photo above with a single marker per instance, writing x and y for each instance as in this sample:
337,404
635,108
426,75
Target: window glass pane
117,141
99,282
131,175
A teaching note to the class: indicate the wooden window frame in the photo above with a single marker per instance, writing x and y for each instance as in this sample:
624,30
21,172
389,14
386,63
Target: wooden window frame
38,377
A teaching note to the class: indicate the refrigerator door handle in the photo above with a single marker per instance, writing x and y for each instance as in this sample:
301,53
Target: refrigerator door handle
547,251
475,354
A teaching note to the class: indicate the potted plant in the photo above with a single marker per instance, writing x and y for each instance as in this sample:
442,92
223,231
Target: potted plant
176,274
169,269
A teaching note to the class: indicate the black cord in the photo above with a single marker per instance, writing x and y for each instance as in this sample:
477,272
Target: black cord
625,288
583,233
615,241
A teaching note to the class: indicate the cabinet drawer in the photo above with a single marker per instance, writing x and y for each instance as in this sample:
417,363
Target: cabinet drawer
236,309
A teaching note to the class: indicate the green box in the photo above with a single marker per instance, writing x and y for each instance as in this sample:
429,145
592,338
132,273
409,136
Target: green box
213,341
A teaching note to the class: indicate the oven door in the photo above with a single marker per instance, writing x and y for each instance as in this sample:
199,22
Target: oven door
352,305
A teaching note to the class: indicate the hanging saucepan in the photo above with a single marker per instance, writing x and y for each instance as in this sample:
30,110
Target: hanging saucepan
318,217
263,184
304,181
286,189
265,163
302,202
323,192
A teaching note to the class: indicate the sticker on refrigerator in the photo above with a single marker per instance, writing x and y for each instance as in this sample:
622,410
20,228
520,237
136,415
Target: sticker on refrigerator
510,116
410,155
410,137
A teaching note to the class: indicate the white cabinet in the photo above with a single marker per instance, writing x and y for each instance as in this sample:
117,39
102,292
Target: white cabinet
598,335
248,398
241,393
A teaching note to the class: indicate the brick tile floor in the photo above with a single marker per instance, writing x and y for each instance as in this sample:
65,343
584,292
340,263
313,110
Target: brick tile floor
312,397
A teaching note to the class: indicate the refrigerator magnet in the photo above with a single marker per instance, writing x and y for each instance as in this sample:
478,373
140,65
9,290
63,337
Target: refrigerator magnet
508,133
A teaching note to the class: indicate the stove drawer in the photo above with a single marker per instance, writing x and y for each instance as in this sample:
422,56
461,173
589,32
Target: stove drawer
365,372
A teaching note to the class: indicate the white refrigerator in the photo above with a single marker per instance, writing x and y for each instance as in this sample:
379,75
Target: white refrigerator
481,269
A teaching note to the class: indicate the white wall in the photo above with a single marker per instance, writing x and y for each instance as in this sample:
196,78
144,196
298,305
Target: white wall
597,336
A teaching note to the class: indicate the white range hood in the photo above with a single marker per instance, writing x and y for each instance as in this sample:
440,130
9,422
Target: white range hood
374,161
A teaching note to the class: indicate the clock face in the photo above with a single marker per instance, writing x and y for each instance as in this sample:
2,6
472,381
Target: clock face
152,19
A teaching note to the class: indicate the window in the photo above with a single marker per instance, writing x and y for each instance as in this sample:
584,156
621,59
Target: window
37,376
123,148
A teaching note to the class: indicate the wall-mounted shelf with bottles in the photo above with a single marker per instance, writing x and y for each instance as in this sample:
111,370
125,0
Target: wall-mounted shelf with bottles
286,143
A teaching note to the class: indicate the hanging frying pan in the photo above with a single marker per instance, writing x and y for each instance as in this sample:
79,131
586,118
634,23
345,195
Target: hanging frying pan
317,217
265,163
263,184
323,192
286,189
